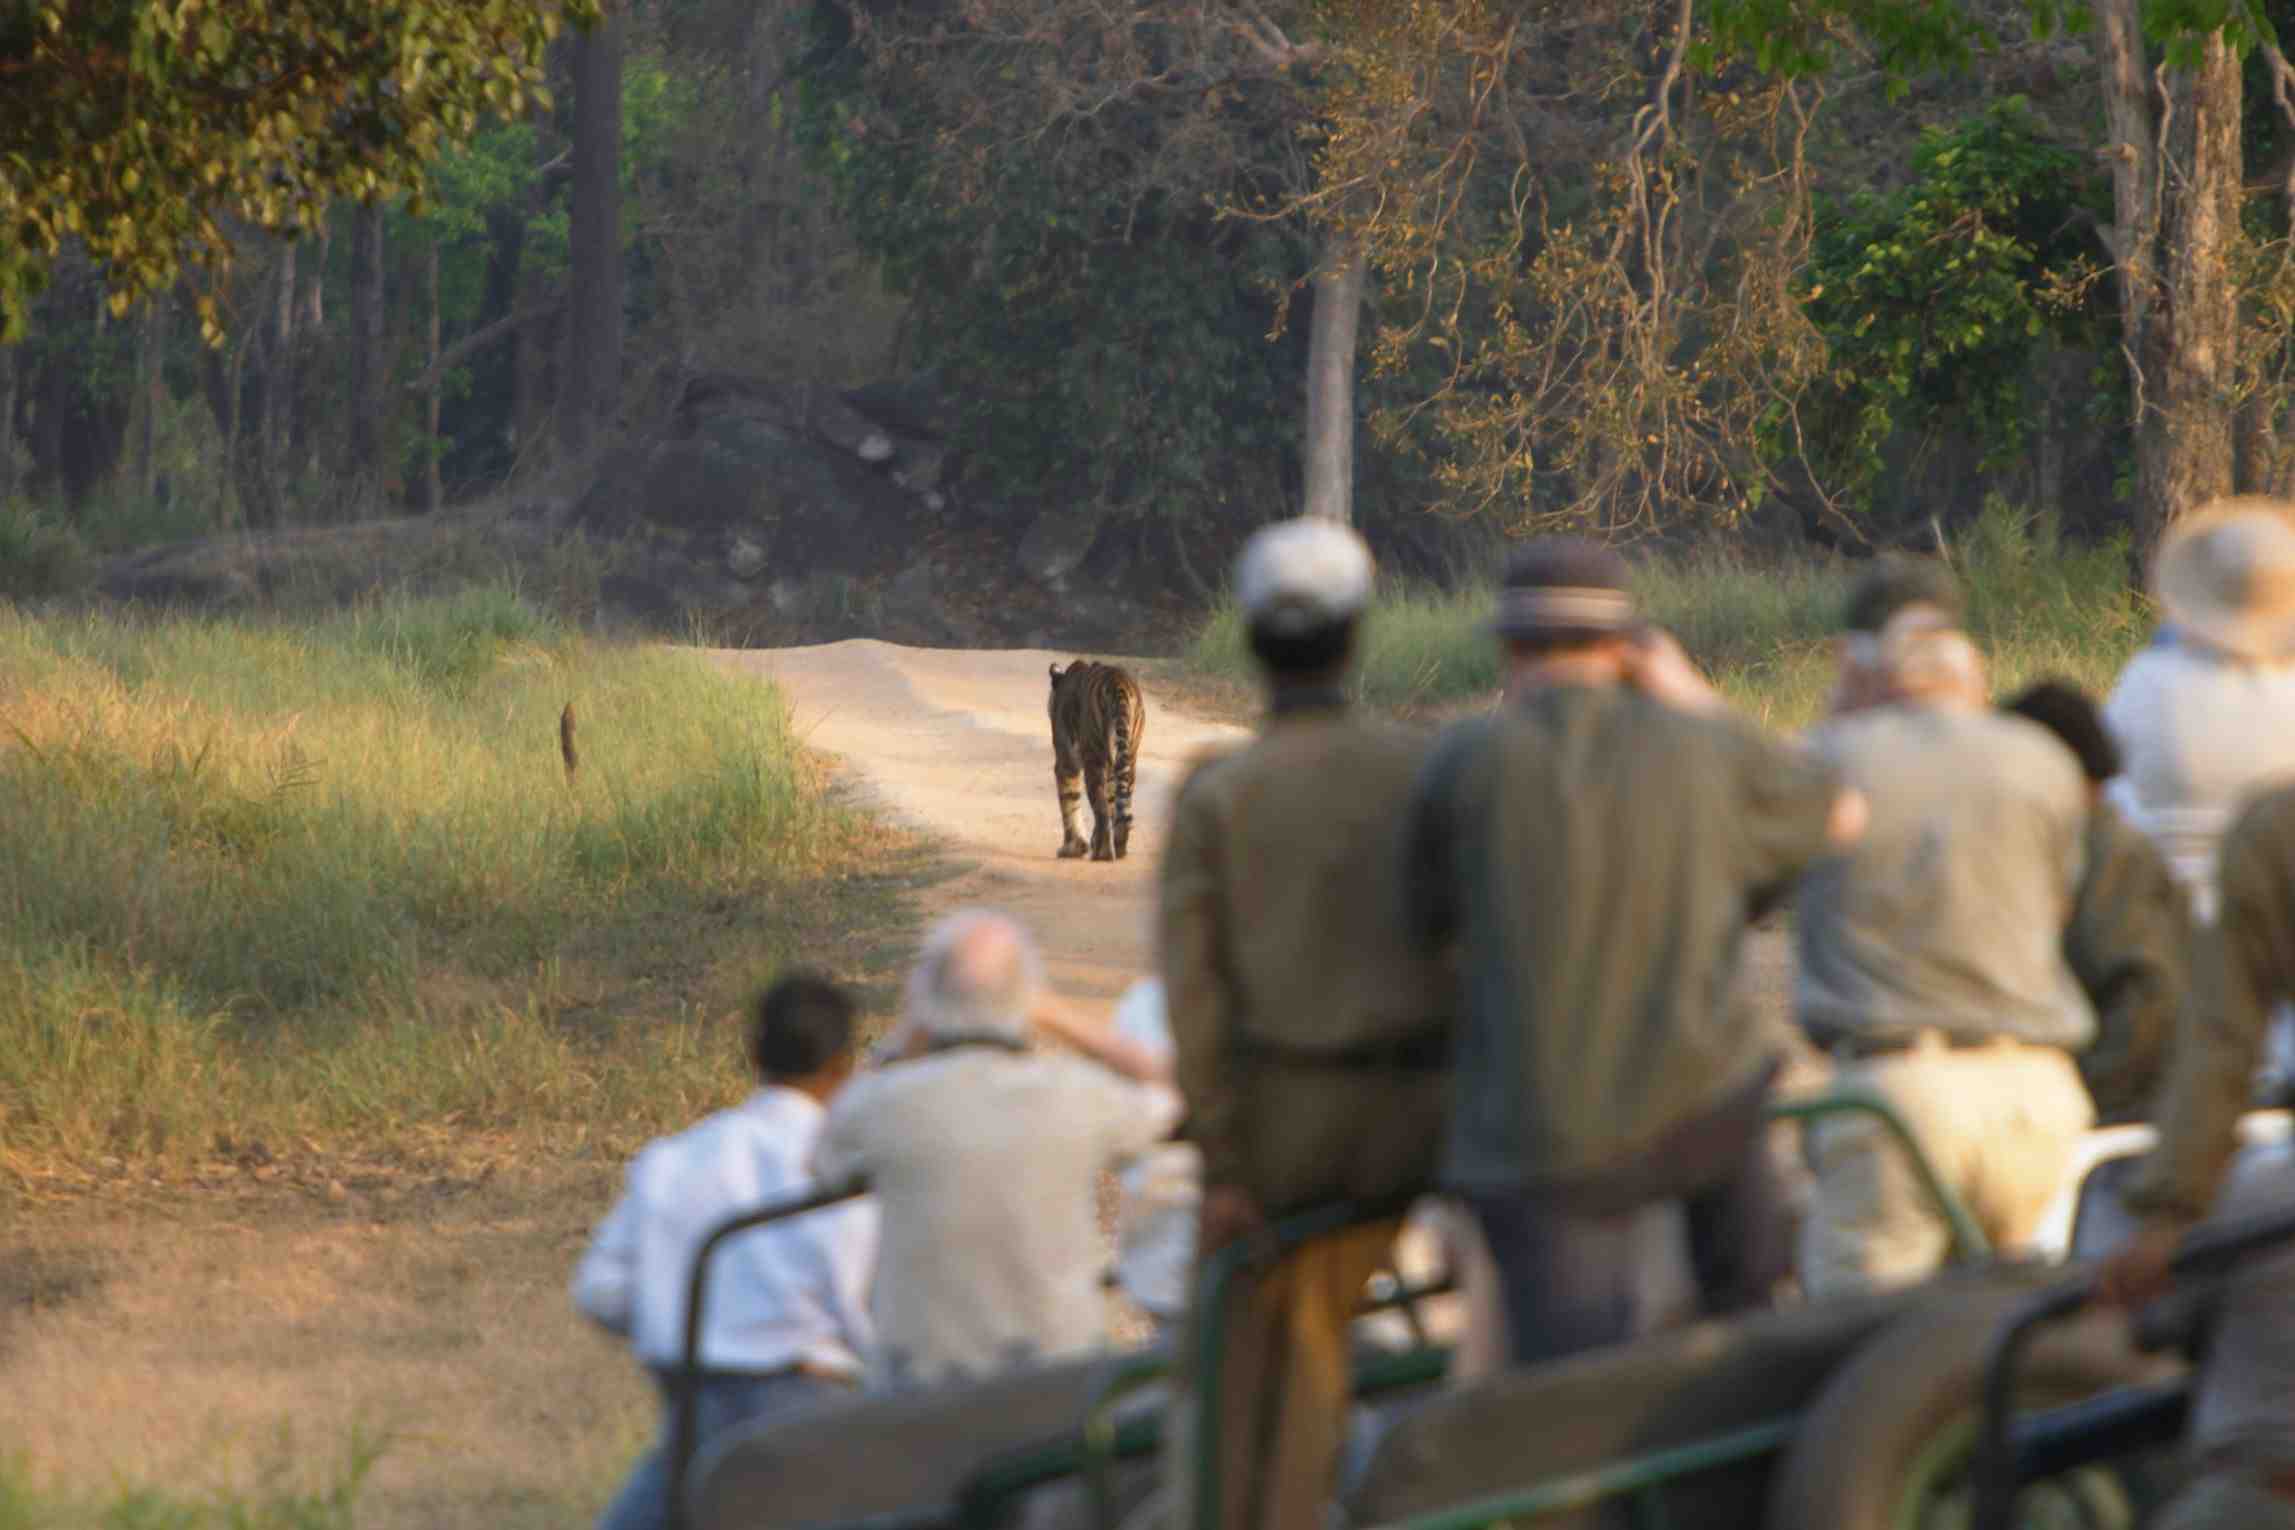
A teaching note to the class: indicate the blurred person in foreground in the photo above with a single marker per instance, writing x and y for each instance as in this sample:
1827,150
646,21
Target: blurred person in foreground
2130,925
1886,587
2205,716
2243,1414
787,1323
984,1145
1932,967
1594,851
1311,1032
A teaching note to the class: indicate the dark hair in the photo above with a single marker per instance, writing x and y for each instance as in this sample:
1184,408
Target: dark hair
2068,712
799,1026
1893,581
1320,647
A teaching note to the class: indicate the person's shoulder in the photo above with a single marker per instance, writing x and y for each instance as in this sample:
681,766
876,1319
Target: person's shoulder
2261,838
2033,750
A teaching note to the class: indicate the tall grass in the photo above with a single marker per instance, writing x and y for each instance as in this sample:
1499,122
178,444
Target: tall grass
333,879
2039,605
280,1501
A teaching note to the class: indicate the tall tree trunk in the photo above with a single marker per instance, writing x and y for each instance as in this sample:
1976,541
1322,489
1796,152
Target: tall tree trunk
2203,332
150,334
1330,437
2171,243
594,321
433,449
280,381
369,383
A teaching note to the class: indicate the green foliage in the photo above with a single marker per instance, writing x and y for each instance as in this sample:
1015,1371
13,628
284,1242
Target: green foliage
136,127
1109,336
1935,299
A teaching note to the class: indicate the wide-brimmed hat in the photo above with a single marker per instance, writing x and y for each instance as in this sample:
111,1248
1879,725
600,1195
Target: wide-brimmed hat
1565,589
2225,574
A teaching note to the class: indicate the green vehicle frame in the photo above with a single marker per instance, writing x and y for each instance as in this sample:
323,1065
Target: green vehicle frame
1104,1436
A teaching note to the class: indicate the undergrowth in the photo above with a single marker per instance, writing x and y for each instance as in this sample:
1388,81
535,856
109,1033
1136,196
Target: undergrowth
333,882
1763,630
278,1501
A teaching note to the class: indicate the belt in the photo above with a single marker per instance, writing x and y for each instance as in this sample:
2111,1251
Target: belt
1424,1052
1862,1048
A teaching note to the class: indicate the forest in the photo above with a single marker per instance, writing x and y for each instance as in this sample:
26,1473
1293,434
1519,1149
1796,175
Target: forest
1831,271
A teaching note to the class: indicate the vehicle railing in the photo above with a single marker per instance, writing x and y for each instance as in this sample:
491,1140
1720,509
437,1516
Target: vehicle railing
686,1382
1104,1441
2012,1451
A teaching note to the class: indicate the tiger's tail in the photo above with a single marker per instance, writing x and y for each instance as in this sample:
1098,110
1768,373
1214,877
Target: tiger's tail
1120,759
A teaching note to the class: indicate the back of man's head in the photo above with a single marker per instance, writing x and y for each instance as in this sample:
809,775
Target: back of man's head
978,974
1303,585
800,1028
1923,657
2073,716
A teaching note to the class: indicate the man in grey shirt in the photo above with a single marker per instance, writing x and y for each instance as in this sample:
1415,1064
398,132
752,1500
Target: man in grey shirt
1932,966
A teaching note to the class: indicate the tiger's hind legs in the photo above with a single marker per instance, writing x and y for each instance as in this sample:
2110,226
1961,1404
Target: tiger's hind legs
1071,789
1103,843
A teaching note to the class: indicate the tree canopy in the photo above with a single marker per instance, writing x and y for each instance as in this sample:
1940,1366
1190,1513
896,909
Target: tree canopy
148,129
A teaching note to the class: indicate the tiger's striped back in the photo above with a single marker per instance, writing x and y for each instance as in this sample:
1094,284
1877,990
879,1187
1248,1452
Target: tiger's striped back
1099,722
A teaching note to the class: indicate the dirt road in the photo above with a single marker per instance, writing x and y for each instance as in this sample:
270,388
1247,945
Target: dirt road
957,743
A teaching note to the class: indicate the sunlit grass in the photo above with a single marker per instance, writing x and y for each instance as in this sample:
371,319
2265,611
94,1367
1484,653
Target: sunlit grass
334,880
1763,630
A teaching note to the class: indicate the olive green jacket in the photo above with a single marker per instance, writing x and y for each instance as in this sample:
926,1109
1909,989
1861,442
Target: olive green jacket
1596,856
2127,943
2242,965
1309,1028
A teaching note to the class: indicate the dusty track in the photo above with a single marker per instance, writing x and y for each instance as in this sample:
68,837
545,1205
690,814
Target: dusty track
957,743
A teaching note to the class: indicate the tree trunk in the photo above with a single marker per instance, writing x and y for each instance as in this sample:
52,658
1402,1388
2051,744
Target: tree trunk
2196,451
433,449
594,319
280,380
1330,437
150,334
368,383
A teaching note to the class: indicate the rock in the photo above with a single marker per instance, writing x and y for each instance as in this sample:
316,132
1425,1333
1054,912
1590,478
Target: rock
920,466
799,407
1056,543
876,446
745,556
916,407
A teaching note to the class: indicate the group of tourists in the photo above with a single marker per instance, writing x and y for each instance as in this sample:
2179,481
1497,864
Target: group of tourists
1507,964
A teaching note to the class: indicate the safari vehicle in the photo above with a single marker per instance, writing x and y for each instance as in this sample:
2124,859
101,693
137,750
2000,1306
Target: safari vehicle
1820,1417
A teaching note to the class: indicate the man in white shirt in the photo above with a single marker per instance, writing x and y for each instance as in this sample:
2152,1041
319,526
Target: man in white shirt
985,1151
787,1321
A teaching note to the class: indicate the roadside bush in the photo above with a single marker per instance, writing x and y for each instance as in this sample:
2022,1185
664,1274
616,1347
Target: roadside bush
39,555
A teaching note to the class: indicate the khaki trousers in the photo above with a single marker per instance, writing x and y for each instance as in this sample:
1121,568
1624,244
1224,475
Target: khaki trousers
1999,1122
1286,1388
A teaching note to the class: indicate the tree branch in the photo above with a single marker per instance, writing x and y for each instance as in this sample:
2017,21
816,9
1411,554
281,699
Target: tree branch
478,340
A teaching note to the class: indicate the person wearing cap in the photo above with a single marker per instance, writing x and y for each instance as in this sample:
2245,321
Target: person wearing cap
984,1146
2206,717
1885,586
1311,1034
1593,852
1932,967
2131,925
2242,1429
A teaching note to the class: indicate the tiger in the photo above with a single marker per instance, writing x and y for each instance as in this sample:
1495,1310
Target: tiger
1098,721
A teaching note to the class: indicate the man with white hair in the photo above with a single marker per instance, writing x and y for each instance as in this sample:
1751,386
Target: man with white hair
985,1150
1932,965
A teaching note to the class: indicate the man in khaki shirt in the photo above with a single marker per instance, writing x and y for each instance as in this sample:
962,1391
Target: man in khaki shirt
1310,1034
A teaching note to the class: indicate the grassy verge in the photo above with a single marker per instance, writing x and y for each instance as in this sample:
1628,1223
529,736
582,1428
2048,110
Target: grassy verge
284,1500
2038,605
269,891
